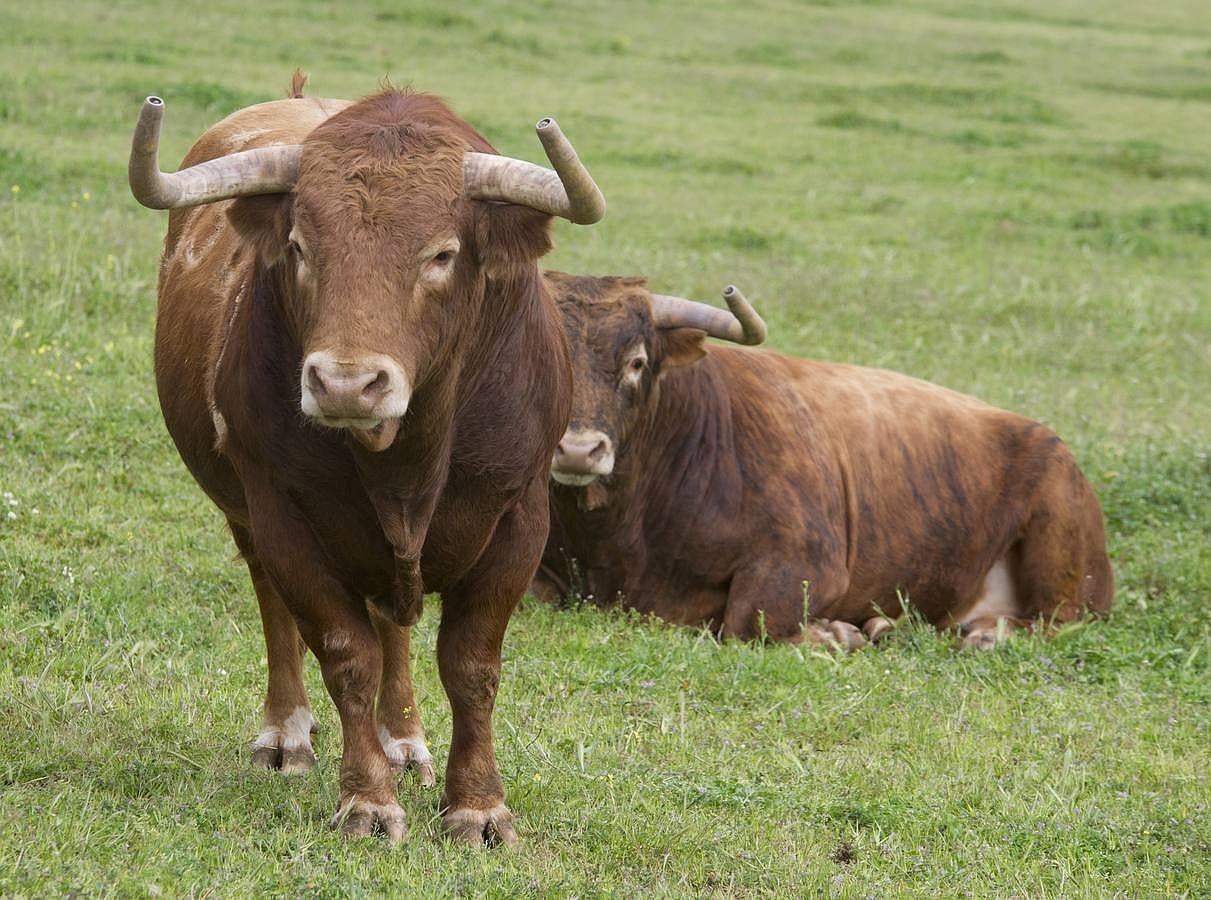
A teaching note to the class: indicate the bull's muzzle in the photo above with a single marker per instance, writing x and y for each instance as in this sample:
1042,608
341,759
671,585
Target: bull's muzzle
582,457
367,395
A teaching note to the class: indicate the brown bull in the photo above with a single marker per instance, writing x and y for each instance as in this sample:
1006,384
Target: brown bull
760,494
360,364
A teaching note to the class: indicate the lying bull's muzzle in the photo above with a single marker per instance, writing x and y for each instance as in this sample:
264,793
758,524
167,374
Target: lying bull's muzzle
367,396
582,457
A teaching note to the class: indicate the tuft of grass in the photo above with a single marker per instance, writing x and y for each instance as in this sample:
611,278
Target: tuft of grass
853,120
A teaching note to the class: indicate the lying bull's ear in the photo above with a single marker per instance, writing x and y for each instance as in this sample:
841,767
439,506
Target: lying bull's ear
682,347
263,221
507,234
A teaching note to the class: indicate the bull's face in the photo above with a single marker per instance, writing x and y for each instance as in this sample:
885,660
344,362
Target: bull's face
623,340
374,253
619,355
372,233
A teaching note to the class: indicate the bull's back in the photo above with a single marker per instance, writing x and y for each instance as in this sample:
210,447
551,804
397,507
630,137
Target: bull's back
935,486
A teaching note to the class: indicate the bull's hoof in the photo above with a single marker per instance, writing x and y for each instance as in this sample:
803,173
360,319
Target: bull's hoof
834,633
409,753
985,634
982,639
358,817
292,761
877,628
480,827
286,747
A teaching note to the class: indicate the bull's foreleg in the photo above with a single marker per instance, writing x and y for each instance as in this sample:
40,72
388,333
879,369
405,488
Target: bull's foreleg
474,616
399,724
284,742
775,598
336,627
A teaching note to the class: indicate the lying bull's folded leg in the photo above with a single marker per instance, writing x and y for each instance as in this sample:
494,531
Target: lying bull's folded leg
399,723
284,742
782,599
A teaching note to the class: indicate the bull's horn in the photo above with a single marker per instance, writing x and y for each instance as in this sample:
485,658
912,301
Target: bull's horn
568,192
265,170
741,326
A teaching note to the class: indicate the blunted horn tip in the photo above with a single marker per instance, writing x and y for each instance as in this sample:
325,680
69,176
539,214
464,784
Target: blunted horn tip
586,205
262,170
754,330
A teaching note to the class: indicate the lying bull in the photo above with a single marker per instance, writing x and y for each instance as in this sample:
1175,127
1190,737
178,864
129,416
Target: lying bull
759,494
361,365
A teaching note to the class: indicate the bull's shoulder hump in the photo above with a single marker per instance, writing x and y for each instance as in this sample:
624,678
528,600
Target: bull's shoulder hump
263,124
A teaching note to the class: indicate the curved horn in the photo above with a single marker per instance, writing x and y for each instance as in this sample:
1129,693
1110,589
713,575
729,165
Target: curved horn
264,170
568,192
742,326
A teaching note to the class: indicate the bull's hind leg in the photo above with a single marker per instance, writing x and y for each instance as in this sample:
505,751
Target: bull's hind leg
399,723
284,742
1060,566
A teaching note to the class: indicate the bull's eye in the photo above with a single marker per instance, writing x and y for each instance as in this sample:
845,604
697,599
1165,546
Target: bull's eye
444,258
637,365
295,250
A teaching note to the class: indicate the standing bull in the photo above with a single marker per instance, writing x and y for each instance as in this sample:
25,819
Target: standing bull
760,494
361,365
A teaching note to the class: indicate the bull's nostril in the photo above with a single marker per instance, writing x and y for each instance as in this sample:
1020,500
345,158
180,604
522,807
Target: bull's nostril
315,383
378,386
597,452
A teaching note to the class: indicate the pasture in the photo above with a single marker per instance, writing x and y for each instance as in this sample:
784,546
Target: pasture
1011,198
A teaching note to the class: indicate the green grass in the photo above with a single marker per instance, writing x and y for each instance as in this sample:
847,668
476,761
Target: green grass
1009,198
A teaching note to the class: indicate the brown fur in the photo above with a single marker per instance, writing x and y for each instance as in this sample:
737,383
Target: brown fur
457,504
751,481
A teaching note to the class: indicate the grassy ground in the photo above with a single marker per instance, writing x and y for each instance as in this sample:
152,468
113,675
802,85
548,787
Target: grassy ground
1010,198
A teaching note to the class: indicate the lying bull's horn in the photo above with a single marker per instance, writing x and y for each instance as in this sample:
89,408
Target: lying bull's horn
741,326
265,170
568,192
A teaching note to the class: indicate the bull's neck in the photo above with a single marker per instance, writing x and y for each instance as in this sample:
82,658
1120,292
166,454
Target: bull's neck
681,454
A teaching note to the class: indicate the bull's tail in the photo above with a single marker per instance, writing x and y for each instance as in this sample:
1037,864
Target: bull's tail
297,80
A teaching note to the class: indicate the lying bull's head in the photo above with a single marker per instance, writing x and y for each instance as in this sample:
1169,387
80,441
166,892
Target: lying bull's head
369,231
622,340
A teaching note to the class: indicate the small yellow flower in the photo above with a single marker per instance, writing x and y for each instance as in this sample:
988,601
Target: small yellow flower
109,346
86,196
15,189
74,204
537,777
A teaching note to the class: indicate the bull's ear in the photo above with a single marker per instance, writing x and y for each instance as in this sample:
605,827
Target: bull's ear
681,347
507,234
263,222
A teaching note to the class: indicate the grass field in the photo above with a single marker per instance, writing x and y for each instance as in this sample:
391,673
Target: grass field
1009,198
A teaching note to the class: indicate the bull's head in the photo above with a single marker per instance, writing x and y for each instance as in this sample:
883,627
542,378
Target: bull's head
623,339
370,231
